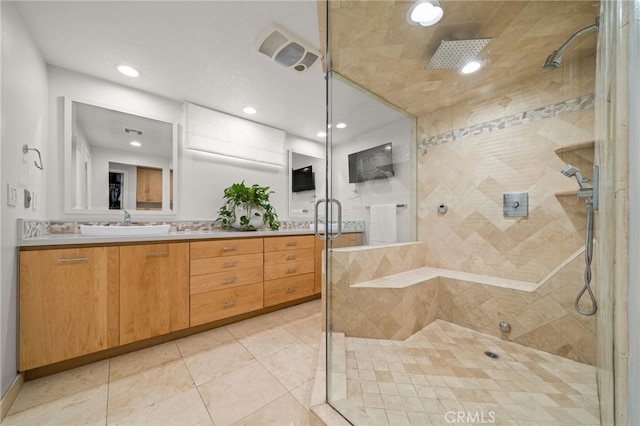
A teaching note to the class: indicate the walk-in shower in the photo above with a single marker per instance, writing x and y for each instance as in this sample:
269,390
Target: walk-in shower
553,61
591,197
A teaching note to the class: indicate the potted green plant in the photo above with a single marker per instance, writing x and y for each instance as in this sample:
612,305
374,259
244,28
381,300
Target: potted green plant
247,208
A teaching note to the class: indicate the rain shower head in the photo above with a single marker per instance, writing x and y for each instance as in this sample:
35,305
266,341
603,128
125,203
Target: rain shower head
573,171
553,60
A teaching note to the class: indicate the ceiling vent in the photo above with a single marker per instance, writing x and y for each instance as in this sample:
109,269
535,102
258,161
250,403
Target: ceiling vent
287,50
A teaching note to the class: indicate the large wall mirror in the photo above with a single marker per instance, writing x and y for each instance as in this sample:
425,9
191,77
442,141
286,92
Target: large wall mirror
306,179
117,161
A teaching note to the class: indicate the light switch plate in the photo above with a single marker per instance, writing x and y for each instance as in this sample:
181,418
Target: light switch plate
515,204
12,194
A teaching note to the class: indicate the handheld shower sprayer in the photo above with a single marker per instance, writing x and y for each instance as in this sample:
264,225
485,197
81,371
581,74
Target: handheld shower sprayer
591,196
573,171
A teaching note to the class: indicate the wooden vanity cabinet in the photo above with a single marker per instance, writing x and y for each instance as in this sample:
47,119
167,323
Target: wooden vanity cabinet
288,268
68,303
154,290
226,278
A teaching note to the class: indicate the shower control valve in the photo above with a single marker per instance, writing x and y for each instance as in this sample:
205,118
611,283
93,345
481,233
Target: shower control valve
515,204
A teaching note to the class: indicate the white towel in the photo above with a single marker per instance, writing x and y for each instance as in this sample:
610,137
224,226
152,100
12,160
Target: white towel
383,227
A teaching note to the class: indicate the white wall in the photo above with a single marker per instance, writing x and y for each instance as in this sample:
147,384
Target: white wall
356,197
24,121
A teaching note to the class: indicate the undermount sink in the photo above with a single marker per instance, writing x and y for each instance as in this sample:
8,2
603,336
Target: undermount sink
119,230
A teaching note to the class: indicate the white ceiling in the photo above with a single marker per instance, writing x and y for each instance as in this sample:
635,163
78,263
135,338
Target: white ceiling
108,129
202,52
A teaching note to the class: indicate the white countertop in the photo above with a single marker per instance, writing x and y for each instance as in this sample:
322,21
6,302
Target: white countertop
76,239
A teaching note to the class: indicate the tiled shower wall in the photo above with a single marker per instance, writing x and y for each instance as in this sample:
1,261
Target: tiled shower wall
470,154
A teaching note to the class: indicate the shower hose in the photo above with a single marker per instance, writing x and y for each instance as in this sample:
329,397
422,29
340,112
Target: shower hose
588,255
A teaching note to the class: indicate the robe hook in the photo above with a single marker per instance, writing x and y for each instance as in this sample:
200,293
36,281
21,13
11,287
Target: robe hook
26,149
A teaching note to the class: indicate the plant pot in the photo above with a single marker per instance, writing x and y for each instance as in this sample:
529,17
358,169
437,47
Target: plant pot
255,222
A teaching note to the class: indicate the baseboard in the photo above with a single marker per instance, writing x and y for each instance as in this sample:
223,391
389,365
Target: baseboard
10,396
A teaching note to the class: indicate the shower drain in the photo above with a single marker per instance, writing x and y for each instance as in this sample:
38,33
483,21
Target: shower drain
492,355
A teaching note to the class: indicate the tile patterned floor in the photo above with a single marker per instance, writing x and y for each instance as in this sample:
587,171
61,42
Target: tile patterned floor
441,376
261,372
255,372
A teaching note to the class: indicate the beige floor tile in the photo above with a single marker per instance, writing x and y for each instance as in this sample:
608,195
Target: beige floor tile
151,386
185,408
234,396
60,385
88,406
293,365
203,341
303,393
419,418
283,411
134,362
251,326
267,342
397,417
215,362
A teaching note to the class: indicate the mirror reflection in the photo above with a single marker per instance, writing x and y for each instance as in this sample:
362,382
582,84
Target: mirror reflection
119,161
306,179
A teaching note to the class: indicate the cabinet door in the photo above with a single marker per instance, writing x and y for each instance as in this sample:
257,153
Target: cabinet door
154,290
68,304
149,185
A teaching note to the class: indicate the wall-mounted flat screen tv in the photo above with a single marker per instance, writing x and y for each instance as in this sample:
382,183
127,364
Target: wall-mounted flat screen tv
303,179
370,164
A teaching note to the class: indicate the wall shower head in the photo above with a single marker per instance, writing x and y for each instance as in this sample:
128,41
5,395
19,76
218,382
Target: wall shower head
572,171
553,60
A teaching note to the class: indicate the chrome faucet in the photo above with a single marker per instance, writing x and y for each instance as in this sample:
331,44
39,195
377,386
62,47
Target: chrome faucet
127,218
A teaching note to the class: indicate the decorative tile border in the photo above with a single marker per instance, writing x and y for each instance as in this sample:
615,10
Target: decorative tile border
34,228
571,105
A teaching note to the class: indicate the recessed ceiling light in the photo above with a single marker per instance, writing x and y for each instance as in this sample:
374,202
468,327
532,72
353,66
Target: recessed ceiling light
424,13
249,110
135,143
472,66
129,71
341,126
321,134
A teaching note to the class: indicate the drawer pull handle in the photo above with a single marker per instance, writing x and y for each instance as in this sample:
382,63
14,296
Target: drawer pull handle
230,248
157,253
230,303
291,270
230,280
73,259
230,264
292,257
292,243
291,289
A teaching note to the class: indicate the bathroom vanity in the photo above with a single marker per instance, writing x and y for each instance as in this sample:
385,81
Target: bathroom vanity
83,296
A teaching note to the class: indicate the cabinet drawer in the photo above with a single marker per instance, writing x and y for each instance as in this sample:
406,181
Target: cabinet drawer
226,279
282,270
288,243
201,249
219,304
286,289
226,263
284,256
